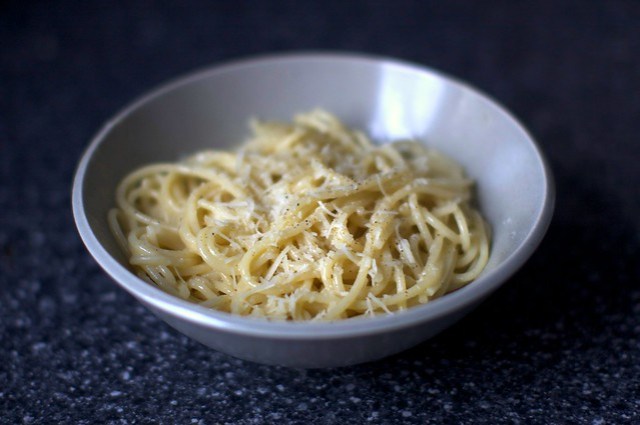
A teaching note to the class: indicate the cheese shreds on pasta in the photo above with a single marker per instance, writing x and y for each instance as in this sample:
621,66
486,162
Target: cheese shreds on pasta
308,220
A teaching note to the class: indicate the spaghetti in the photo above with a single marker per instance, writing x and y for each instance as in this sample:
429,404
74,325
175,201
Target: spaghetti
308,221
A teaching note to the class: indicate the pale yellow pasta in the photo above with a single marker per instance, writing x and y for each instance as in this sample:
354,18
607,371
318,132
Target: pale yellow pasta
307,221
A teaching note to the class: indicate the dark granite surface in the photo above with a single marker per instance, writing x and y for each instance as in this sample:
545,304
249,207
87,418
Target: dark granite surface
560,343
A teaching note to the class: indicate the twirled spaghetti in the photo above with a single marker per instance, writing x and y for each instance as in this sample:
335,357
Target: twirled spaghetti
307,221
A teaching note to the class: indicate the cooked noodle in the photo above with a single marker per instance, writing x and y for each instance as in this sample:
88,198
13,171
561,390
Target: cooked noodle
307,221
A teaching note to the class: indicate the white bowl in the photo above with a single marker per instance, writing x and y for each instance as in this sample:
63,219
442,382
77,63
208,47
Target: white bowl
386,98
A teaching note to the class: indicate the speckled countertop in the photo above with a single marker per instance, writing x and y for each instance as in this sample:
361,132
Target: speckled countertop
560,343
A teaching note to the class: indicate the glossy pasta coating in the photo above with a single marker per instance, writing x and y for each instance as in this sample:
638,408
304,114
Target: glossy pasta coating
307,221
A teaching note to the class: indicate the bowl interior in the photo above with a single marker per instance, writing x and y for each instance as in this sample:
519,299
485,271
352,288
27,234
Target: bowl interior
389,100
